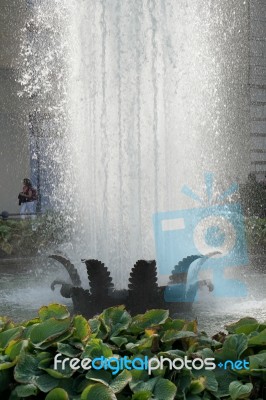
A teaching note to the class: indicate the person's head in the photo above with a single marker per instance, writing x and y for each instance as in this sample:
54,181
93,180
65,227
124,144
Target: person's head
27,182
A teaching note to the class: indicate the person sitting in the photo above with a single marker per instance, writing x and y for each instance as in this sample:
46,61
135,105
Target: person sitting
27,199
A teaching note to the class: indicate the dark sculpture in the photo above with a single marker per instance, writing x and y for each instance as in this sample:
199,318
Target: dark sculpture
143,292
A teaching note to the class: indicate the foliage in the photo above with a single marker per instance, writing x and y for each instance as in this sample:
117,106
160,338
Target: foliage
27,354
256,234
29,236
253,197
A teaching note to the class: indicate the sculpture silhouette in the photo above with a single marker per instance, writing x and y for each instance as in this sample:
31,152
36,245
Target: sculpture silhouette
143,292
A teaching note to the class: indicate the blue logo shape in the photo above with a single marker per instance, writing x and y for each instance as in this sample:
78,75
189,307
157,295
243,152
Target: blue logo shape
214,236
216,230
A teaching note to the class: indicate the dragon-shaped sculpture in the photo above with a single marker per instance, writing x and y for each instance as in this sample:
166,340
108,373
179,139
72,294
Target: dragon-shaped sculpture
142,293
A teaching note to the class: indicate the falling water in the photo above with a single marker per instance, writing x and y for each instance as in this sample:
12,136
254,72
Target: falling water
152,94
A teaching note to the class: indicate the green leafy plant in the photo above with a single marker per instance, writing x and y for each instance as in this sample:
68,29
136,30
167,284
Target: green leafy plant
252,197
27,237
27,354
256,234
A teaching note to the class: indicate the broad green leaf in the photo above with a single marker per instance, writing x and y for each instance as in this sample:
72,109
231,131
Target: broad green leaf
206,341
27,331
80,382
172,354
236,326
69,386
262,327
62,371
258,340
44,355
239,391
151,332
142,395
68,350
28,390
121,381
247,329
210,379
76,343
96,348
57,394
115,320
118,340
95,325
177,324
31,322
140,386
48,330
205,353
191,326
98,391
15,347
140,346
257,360
5,363
173,335
10,334
233,347
138,376
82,328
148,320
197,385
100,376
4,321
224,378
257,364
61,338
165,390
26,369
57,311
46,382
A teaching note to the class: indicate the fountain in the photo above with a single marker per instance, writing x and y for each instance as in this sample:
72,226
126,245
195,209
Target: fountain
129,101
147,115
132,93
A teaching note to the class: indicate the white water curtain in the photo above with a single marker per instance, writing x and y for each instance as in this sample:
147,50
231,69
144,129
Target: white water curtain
155,94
